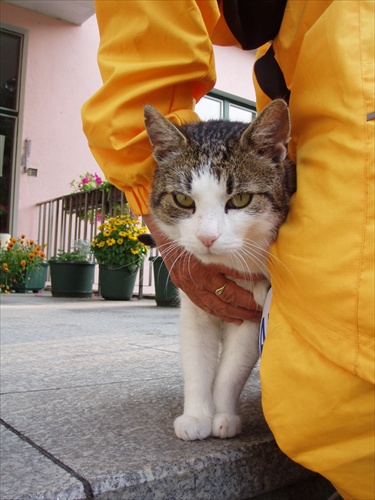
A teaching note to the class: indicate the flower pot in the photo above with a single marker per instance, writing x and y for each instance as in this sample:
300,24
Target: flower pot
166,292
72,279
116,283
77,202
35,280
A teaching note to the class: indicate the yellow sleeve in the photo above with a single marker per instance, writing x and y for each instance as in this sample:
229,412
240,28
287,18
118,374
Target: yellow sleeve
157,53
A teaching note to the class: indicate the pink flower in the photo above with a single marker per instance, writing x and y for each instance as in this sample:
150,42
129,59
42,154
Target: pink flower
85,180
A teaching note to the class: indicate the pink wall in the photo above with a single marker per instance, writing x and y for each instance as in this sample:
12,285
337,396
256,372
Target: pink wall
234,71
61,73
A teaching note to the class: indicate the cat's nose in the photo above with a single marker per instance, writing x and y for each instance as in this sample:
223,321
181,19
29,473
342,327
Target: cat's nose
208,241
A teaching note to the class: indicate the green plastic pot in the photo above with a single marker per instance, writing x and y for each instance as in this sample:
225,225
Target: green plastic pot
72,279
166,292
35,280
116,283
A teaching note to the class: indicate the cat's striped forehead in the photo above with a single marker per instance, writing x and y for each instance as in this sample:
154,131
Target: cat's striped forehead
206,184
205,177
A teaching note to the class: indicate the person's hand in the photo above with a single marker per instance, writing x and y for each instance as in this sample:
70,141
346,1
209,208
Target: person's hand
200,281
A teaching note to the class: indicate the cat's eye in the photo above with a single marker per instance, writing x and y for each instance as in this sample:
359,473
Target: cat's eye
240,200
183,200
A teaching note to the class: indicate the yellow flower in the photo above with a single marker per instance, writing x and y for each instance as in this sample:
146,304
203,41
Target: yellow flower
120,241
101,244
110,242
134,251
107,232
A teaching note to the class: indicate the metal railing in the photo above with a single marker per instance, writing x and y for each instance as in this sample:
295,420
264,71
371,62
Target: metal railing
76,216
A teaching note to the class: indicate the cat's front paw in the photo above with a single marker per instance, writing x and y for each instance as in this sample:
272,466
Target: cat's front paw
192,428
226,425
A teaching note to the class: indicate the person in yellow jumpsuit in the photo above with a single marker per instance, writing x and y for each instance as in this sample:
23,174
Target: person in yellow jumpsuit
317,368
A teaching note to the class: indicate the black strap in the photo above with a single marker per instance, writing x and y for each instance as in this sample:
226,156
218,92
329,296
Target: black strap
253,22
270,77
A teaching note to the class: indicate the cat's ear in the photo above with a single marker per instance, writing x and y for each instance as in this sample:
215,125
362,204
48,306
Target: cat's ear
269,132
165,138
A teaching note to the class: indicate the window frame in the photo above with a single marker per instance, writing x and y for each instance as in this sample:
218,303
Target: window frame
227,100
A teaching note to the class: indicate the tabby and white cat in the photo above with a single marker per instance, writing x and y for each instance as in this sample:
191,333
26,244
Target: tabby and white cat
220,192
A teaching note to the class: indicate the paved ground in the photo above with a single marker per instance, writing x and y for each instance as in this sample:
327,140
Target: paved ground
89,392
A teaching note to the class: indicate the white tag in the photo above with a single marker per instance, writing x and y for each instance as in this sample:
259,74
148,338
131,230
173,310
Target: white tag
264,321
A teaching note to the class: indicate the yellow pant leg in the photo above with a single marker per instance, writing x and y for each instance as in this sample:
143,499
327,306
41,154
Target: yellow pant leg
318,363
322,415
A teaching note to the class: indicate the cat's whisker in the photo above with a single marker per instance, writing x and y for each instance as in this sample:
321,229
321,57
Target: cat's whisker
273,269
257,249
168,245
257,261
238,258
271,258
181,255
167,248
189,256
256,254
248,279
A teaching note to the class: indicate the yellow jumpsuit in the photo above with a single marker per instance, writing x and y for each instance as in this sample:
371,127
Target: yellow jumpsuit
318,366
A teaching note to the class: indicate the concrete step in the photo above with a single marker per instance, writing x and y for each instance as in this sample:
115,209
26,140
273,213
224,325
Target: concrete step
89,392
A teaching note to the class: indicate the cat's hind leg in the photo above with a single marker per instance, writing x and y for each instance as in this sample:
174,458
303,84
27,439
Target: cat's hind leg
200,335
238,357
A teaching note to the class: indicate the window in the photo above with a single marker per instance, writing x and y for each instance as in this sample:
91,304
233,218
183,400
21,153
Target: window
216,105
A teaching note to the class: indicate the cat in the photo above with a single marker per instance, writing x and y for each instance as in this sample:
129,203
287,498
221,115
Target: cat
220,192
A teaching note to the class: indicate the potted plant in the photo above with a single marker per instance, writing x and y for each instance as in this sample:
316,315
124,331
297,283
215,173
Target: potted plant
119,253
89,181
22,266
72,273
87,193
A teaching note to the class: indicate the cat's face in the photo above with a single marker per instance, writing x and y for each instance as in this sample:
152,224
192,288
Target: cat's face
219,189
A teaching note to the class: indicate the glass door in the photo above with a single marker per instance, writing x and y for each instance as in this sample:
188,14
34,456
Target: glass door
11,48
